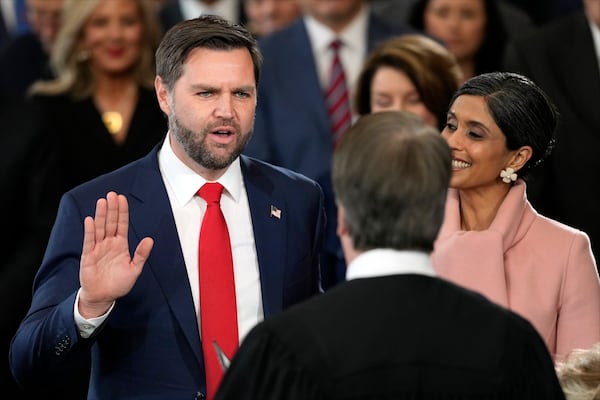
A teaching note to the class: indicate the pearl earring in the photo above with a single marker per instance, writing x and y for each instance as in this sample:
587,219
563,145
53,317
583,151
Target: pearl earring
508,175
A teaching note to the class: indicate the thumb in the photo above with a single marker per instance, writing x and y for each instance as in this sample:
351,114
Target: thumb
142,252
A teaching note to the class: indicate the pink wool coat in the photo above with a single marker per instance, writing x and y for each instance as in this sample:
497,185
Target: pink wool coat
537,267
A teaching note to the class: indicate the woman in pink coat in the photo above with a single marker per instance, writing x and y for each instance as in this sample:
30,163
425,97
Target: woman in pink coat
500,126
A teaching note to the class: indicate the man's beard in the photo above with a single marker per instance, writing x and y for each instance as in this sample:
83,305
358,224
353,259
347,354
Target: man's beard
194,144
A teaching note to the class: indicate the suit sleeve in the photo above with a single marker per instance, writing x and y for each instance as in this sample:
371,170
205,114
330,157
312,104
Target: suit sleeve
578,324
46,347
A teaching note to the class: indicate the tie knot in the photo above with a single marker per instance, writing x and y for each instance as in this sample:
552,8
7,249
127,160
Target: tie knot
336,44
211,192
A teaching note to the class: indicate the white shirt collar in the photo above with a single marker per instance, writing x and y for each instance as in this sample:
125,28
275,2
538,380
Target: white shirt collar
185,182
383,262
352,36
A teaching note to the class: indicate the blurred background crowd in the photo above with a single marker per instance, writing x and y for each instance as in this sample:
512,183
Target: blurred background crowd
77,99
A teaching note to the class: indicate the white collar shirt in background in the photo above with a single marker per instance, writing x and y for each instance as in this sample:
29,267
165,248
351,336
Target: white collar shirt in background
182,184
228,9
384,262
352,53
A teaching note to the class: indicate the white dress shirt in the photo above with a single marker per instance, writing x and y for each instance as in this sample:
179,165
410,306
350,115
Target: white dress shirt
188,209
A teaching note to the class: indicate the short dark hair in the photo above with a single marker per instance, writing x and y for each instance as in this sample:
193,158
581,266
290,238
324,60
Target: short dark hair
521,109
391,174
206,31
488,57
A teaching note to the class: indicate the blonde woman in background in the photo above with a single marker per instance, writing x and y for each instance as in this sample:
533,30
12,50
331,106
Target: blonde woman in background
100,111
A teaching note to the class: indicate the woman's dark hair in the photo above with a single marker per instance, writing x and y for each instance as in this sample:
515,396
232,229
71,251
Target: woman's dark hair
521,109
489,56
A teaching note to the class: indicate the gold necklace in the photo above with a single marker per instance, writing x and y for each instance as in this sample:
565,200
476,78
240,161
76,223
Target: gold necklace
113,120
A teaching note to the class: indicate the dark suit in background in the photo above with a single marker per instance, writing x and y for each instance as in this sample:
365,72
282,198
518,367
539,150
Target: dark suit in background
292,128
561,59
22,62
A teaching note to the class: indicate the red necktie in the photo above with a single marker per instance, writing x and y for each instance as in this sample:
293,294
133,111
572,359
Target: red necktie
337,97
218,313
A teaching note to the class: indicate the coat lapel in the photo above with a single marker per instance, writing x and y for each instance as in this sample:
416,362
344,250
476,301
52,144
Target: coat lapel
152,216
269,221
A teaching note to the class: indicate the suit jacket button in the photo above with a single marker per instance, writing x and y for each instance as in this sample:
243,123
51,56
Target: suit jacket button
200,396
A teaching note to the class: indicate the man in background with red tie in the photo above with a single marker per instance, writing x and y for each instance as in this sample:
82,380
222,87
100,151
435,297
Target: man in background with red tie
184,250
308,76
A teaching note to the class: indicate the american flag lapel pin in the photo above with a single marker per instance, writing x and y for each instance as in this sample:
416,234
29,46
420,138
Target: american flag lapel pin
275,212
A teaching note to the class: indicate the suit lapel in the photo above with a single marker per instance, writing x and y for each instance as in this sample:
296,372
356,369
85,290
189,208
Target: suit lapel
152,216
302,67
270,233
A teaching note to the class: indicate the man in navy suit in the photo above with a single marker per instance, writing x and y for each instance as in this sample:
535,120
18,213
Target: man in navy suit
131,295
292,127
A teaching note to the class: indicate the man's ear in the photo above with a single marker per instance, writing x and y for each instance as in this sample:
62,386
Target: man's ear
162,94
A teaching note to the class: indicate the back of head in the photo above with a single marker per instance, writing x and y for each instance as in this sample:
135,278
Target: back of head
431,67
579,374
391,174
520,108
207,31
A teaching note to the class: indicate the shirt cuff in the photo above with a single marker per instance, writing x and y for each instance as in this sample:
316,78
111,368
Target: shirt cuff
87,327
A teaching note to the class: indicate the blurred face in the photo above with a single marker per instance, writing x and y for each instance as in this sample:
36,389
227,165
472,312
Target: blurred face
211,109
266,16
392,90
334,13
113,35
460,24
592,10
44,17
478,145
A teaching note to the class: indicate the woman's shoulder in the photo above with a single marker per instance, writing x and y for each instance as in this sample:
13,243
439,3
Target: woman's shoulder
558,237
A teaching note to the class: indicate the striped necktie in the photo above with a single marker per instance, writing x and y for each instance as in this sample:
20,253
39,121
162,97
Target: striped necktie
337,98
